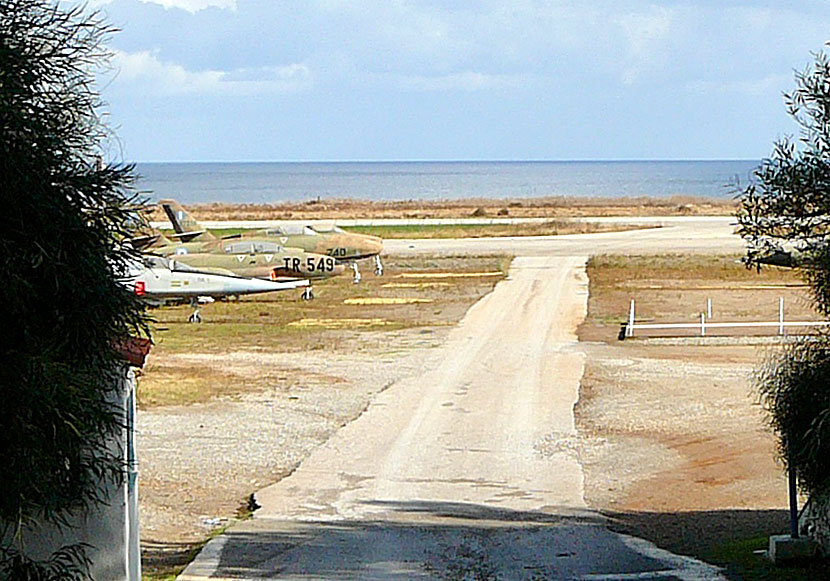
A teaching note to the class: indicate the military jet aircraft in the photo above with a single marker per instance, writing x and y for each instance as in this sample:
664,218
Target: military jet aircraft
255,256
160,281
344,247
252,257
786,258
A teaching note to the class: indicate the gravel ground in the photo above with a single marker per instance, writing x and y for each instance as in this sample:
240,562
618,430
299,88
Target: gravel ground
674,446
199,463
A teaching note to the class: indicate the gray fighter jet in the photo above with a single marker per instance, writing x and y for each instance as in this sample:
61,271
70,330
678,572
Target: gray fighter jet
160,281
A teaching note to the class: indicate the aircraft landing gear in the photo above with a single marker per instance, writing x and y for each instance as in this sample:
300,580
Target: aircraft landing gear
308,294
357,278
195,316
378,266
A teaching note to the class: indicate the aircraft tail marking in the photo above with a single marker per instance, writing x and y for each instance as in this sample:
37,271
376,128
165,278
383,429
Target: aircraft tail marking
186,227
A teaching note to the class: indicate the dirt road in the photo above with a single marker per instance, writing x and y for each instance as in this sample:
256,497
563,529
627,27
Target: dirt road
464,471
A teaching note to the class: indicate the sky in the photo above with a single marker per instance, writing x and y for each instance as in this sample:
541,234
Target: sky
331,80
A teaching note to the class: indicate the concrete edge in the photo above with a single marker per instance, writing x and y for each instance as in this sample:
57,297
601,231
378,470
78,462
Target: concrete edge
206,562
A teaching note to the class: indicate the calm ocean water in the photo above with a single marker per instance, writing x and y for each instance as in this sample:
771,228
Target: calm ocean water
275,182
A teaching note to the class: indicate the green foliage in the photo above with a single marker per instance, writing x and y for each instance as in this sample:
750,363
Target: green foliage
787,206
794,391
68,563
63,216
741,560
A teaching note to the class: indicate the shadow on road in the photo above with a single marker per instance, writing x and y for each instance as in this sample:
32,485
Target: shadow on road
444,540
698,533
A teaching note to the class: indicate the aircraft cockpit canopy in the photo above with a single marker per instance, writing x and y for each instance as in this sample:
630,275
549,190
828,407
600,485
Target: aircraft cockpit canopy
290,230
157,262
328,228
252,247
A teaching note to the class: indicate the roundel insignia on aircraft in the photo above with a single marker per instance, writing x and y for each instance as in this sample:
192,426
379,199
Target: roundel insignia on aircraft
283,239
181,251
240,257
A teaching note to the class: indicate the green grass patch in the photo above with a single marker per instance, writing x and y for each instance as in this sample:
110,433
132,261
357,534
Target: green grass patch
741,561
218,232
548,228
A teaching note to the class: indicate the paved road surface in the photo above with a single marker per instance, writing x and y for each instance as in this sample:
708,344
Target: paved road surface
697,235
464,470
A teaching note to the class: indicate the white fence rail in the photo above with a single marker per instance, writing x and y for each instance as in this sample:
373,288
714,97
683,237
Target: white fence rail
706,324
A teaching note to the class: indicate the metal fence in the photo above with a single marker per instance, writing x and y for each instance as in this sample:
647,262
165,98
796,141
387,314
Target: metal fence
705,324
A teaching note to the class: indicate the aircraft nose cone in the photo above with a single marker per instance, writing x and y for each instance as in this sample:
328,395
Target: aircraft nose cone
376,245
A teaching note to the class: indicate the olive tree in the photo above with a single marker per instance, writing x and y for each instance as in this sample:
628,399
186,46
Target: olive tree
63,217
786,207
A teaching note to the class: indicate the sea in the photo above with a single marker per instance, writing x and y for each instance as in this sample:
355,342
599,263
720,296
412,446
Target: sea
273,182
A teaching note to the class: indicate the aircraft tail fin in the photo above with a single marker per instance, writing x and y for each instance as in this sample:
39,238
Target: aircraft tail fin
187,229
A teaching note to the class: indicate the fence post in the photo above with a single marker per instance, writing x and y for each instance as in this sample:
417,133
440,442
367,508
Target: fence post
702,324
780,315
629,331
709,308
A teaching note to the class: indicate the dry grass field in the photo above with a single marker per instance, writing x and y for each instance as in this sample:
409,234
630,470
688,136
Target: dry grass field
555,207
675,447
414,293
675,288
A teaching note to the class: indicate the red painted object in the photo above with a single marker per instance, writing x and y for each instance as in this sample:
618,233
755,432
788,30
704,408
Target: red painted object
134,350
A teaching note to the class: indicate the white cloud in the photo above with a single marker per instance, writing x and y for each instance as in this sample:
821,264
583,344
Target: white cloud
646,34
147,70
464,81
194,6
768,85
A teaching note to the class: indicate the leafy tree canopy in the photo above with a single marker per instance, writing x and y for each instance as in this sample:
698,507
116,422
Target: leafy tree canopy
787,204
62,214
787,207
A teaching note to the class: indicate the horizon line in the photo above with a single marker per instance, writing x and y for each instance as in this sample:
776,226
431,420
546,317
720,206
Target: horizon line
391,161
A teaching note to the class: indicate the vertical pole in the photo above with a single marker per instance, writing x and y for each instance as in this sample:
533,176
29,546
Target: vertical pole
629,331
793,497
709,308
702,324
133,542
780,315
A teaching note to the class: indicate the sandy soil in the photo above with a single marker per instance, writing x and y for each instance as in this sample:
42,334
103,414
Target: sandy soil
202,461
670,428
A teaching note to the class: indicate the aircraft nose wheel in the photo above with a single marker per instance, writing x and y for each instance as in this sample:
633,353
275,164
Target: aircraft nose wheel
378,266
357,278
308,294
195,317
